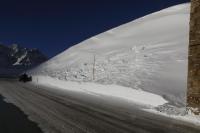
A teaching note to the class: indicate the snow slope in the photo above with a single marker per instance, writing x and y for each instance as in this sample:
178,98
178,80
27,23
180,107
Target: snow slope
147,54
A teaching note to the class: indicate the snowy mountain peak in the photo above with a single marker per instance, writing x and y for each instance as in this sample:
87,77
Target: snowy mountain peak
14,46
14,59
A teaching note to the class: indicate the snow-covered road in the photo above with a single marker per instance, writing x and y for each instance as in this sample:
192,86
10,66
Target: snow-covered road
58,111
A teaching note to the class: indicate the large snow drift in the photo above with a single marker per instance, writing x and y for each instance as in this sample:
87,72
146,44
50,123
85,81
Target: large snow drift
149,53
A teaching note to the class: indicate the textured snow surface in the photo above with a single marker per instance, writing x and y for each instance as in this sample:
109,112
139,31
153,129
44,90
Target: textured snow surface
136,96
147,54
190,117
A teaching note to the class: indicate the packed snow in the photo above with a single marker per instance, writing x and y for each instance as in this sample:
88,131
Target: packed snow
125,93
190,117
148,54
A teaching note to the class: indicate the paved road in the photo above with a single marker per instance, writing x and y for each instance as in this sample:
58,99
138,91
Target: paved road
59,111
13,120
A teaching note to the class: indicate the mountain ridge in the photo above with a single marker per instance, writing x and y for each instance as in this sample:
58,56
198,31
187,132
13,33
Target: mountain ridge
15,59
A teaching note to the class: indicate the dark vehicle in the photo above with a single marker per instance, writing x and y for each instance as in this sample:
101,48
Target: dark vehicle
25,78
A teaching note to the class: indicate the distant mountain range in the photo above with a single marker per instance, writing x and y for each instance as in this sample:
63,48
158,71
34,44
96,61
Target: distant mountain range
15,59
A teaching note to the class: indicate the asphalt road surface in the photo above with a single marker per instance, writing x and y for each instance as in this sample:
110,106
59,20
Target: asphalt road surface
59,111
13,120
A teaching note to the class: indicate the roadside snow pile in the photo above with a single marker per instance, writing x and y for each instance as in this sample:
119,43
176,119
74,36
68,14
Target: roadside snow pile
136,96
147,101
189,117
148,54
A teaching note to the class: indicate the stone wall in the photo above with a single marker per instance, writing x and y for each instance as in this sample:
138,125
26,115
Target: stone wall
193,98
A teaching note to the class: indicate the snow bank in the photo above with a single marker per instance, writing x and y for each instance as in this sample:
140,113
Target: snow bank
147,54
187,118
129,94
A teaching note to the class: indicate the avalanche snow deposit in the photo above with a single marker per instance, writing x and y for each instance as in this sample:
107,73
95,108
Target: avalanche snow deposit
148,54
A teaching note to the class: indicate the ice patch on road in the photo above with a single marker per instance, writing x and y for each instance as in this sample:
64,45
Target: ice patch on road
126,93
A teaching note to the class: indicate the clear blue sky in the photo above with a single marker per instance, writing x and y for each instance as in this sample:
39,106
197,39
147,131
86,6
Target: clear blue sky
53,26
